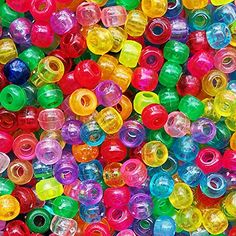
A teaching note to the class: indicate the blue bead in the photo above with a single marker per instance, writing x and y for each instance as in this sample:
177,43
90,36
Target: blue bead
213,185
42,171
16,71
143,227
92,134
232,86
175,7
93,213
185,149
218,35
225,14
90,170
170,166
161,185
190,174
164,225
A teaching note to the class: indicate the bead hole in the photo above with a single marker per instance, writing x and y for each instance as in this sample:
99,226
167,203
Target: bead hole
217,82
215,183
9,98
94,137
96,233
26,148
53,65
227,62
85,101
157,30
208,157
18,171
200,20
41,5
145,224
118,107
206,129
117,214
130,167
151,60
167,165
66,174
39,221
147,95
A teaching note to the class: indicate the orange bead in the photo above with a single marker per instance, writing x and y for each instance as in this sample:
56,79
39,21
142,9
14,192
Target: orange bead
84,153
233,142
124,107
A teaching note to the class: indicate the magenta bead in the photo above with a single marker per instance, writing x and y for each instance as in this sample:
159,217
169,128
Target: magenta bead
63,21
88,13
113,16
126,232
20,30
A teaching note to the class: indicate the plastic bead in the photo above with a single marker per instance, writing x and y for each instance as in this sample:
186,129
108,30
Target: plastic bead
174,9
225,14
229,205
124,107
195,5
228,159
20,6
164,225
97,227
6,186
119,37
154,8
179,29
126,232
233,141
18,227
6,141
4,162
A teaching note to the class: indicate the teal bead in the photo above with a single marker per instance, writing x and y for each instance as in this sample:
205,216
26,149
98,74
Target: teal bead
127,4
7,15
170,74
6,186
13,98
32,56
169,98
31,93
176,52
192,107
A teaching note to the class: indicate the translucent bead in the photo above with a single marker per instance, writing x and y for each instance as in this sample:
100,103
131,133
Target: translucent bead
7,50
229,206
195,5
225,14
164,225
4,162
220,2
154,8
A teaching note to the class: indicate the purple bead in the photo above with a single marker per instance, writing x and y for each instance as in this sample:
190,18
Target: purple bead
179,29
70,132
2,224
108,93
20,30
63,21
90,192
66,170
132,133
140,206
203,130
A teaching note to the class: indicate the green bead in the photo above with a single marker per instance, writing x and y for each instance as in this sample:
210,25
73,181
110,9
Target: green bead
13,98
170,74
31,56
7,15
102,183
31,93
38,220
176,52
87,56
169,98
50,96
6,186
192,107
162,207
160,135
65,206
128,4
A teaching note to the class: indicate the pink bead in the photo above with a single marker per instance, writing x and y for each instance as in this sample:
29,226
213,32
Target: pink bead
88,13
134,172
42,9
113,16
200,63
63,21
24,146
229,160
126,232
42,35
19,5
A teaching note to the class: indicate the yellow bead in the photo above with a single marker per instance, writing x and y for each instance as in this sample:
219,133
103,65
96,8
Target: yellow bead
119,37
232,28
53,134
130,53
154,8
143,99
231,122
233,142
99,41
229,205
109,120
215,221
136,23
83,102
8,50
9,207
182,196
189,219
47,189
122,76
154,153
220,2
124,107
99,2
209,110
193,4
214,82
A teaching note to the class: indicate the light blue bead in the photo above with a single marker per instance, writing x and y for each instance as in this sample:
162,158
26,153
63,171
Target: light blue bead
225,14
164,225
218,35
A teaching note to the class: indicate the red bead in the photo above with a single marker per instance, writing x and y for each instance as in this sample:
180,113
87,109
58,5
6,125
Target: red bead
8,121
42,35
197,41
136,152
25,197
88,74
73,44
113,150
63,57
17,228
229,160
19,5
3,80
6,141
116,197
158,30
68,83
151,58
42,9
144,79
154,116
27,119
232,232
188,85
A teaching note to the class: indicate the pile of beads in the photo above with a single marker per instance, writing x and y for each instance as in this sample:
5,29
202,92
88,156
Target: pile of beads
117,117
